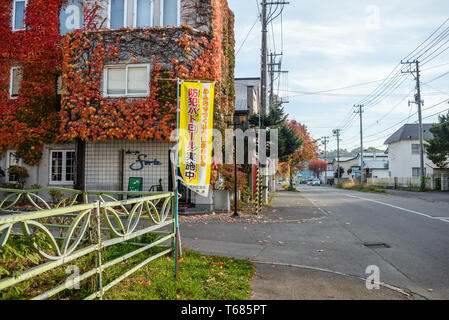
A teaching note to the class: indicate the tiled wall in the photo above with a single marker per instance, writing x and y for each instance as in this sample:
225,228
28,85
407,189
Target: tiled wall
102,169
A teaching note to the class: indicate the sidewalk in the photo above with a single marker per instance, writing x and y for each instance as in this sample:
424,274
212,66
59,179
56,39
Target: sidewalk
278,282
435,196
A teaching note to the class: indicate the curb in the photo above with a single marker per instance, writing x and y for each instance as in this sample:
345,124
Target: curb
404,292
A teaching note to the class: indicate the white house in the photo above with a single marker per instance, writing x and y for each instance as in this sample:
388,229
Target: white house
404,151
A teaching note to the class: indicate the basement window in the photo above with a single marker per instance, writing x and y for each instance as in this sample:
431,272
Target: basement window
127,80
18,15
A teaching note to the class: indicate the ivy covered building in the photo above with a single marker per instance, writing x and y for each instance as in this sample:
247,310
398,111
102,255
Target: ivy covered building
87,98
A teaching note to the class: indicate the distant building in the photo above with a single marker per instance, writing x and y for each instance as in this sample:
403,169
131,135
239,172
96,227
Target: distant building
404,152
247,95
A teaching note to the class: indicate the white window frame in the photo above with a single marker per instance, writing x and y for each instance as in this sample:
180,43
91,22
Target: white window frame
8,164
64,168
125,14
11,79
133,23
14,15
127,66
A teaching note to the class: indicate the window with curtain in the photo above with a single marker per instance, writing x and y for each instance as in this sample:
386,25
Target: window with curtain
143,13
132,80
117,14
171,12
19,15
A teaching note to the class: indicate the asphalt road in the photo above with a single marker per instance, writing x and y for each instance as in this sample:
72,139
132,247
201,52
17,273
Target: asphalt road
327,228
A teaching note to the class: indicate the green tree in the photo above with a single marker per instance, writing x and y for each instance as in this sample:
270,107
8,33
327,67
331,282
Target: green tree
438,147
288,140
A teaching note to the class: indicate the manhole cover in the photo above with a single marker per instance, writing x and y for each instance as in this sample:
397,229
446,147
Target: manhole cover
376,245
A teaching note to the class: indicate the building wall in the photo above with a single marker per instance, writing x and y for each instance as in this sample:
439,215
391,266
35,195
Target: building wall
401,159
380,173
39,174
103,162
346,165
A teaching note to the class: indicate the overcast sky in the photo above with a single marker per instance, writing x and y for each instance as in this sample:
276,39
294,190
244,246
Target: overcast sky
330,44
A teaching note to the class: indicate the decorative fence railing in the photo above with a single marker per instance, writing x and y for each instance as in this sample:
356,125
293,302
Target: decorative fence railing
69,231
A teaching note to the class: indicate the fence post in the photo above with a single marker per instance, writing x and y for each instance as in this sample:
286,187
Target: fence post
100,245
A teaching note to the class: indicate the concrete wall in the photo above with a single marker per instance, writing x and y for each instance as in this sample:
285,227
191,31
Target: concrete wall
380,173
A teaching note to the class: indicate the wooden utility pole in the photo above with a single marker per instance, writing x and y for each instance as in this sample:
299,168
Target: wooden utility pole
419,102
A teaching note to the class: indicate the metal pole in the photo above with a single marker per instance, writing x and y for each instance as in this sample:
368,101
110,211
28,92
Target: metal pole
176,179
338,154
100,245
325,158
362,177
235,171
337,134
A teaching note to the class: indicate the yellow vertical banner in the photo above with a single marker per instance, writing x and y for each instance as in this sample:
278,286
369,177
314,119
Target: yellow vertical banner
195,132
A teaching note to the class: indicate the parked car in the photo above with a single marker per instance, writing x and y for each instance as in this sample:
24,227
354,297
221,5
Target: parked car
316,182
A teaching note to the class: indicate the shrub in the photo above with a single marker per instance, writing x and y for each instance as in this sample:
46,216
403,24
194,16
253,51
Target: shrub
10,185
19,174
56,196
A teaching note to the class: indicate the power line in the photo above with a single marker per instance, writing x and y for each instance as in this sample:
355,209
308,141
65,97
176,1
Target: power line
392,82
247,35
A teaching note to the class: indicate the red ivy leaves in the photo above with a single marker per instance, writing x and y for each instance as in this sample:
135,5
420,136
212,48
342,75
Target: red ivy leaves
33,119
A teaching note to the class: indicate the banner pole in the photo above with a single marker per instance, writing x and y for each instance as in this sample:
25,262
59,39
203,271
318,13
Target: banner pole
177,245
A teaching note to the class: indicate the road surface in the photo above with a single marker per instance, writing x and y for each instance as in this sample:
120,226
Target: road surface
327,228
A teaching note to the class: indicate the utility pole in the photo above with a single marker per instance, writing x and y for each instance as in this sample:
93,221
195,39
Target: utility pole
325,142
266,17
337,134
271,70
264,70
419,102
360,112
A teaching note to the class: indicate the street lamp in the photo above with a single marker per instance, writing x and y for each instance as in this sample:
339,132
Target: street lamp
235,120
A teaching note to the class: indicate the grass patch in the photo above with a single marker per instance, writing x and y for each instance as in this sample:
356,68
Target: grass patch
350,185
200,277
